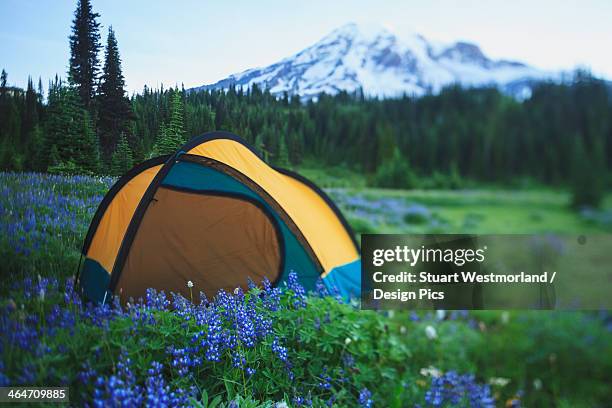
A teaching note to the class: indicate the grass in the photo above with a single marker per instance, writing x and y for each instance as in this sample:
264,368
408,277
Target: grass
545,359
485,209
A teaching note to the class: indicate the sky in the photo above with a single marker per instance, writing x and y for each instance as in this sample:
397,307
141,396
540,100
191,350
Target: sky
197,42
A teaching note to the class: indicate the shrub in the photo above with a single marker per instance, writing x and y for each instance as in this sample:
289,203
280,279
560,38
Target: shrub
417,214
588,177
395,173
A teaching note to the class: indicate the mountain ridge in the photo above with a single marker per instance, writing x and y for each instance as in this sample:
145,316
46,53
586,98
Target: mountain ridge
380,63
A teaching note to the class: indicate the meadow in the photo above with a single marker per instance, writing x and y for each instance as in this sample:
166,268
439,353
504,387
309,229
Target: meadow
276,347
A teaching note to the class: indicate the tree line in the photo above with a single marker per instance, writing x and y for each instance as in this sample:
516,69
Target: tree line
561,134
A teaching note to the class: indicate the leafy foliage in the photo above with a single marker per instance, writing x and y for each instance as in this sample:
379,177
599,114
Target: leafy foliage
267,345
588,185
395,173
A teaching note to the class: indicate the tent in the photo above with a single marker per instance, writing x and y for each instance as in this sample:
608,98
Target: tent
214,213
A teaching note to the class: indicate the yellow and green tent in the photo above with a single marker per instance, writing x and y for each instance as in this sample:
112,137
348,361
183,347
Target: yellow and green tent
214,213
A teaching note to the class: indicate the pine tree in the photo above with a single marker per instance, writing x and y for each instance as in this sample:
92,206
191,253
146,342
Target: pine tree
283,153
87,152
163,143
38,145
3,80
172,136
31,116
220,115
176,127
261,147
70,142
122,159
114,108
588,172
41,91
84,48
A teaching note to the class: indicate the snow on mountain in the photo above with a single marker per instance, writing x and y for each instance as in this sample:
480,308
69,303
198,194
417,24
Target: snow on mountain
384,65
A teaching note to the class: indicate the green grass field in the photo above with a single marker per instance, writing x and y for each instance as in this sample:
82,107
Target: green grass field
479,210
540,358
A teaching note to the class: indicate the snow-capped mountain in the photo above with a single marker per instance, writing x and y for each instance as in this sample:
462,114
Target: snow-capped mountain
384,65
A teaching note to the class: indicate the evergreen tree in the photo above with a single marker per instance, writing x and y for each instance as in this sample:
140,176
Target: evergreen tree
70,141
3,80
395,173
35,154
172,136
84,48
588,176
164,144
261,147
30,116
41,91
87,152
176,127
283,153
114,110
220,115
122,159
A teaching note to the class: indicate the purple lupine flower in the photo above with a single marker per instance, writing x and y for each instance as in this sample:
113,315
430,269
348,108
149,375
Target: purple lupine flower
365,398
279,350
299,294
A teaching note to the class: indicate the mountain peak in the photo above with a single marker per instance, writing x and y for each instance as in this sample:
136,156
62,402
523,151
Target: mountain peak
372,58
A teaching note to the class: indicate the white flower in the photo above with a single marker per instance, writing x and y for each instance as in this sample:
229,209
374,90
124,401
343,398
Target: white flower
505,317
391,313
431,332
403,329
236,291
189,284
440,314
537,384
347,341
502,382
430,371
282,404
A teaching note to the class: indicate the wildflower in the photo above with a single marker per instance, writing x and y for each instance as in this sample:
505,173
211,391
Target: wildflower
325,382
321,289
431,332
499,381
430,371
403,330
271,296
347,341
279,350
299,294
537,384
365,398
454,389
348,360
190,286
440,314
505,317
